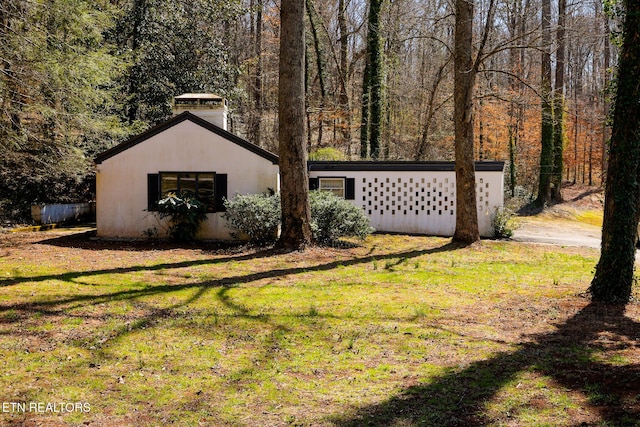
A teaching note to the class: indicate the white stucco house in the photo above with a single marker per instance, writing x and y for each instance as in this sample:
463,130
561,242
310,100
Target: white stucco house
193,150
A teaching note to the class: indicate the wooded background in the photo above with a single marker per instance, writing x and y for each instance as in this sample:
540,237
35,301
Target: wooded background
77,77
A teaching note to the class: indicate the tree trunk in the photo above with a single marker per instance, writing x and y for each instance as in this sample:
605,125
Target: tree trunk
294,191
320,66
513,141
372,86
605,127
464,78
558,106
432,108
613,278
546,152
345,113
255,133
364,116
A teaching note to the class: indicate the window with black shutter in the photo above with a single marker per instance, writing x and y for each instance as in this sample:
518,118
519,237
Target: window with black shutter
209,188
340,186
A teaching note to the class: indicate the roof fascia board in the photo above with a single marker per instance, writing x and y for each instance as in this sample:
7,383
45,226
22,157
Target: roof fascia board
398,166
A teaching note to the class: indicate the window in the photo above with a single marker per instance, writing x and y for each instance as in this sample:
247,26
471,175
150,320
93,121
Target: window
340,186
334,185
208,187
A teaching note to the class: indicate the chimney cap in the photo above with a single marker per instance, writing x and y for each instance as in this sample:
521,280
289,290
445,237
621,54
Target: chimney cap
199,96
199,99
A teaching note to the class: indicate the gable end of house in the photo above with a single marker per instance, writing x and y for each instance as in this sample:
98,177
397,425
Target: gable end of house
114,151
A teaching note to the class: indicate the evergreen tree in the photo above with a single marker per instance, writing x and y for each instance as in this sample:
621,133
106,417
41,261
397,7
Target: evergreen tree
174,48
57,92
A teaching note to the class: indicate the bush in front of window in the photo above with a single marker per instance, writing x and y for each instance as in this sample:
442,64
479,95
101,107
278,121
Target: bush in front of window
256,217
184,214
253,217
333,217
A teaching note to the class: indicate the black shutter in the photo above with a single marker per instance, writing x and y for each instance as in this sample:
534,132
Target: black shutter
314,183
153,191
221,191
350,188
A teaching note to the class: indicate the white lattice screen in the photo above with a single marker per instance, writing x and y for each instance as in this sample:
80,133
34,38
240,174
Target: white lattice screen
482,195
408,196
417,201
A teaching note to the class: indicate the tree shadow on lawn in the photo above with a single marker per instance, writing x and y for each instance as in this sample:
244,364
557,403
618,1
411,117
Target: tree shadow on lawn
87,240
263,253
63,304
568,356
18,315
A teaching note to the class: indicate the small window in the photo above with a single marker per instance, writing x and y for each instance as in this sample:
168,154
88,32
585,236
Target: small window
334,185
201,185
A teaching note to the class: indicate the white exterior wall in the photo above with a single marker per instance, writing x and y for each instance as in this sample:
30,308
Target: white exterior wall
121,180
419,202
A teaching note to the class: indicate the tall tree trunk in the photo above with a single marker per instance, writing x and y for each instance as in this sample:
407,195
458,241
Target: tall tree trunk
294,191
432,108
575,139
481,135
366,108
320,65
255,133
558,106
372,85
513,131
135,83
464,78
605,128
345,108
613,279
591,158
546,152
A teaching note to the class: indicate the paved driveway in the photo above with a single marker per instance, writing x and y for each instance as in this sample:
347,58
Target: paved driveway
558,232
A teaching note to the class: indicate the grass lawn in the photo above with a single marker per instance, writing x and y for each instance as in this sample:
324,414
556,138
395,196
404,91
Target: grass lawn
398,331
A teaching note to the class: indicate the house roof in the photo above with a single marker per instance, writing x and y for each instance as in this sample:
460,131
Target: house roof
404,166
179,119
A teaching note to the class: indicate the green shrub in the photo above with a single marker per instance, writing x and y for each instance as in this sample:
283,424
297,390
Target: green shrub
502,222
327,153
184,213
255,217
333,217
